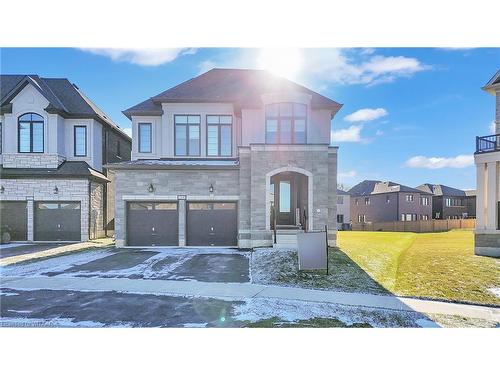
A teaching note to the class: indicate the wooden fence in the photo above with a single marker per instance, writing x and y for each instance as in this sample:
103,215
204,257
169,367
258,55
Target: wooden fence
420,226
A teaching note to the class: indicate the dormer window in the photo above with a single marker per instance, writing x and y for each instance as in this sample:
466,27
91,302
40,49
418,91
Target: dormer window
30,133
286,123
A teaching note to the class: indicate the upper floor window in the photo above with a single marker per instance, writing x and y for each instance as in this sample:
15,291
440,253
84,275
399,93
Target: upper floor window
409,197
425,201
340,199
187,135
30,133
387,199
454,202
145,137
219,135
286,123
80,140
367,201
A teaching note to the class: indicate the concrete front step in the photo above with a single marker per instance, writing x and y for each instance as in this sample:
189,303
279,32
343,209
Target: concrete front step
286,238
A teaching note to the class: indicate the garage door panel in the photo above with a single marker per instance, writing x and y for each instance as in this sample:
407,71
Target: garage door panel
57,221
14,218
212,224
152,224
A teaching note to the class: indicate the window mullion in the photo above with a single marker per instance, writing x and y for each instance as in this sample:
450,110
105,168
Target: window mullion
31,137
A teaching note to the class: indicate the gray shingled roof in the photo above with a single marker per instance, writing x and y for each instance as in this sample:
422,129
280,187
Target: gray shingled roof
167,163
64,97
440,190
67,169
369,187
243,87
495,80
342,192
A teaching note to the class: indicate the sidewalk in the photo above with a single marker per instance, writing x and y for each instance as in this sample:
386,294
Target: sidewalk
59,250
237,291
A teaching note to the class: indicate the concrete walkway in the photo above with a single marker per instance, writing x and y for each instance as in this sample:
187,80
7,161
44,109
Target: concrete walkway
58,250
239,291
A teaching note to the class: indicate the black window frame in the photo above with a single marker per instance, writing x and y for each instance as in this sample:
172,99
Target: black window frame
74,141
219,143
292,120
187,125
150,125
31,122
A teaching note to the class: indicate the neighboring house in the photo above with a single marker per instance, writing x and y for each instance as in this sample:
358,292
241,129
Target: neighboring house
487,158
343,209
448,202
54,142
377,201
471,202
213,155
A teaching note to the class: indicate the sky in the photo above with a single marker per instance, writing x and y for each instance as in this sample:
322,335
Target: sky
409,115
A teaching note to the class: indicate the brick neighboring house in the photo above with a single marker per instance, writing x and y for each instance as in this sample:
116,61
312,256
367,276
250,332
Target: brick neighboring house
213,155
448,202
53,144
343,209
377,201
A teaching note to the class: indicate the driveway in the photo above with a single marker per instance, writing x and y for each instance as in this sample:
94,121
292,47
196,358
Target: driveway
13,249
203,264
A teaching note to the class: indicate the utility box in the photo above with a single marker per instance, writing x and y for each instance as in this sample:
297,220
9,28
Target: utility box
312,251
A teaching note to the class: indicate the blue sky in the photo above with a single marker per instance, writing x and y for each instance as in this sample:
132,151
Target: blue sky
410,115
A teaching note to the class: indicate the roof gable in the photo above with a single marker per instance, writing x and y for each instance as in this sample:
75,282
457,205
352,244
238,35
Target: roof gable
243,87
493,84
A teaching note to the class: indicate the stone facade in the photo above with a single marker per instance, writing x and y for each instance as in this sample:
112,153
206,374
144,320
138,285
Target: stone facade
246,185
96,211
34,190
32,160
132,185
487,244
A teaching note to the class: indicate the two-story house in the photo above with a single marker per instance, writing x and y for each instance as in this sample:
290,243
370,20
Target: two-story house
343,209
448,202
221,158
377,201
487,160
53,144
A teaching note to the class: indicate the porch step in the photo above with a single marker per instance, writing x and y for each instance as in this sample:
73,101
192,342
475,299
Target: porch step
286,238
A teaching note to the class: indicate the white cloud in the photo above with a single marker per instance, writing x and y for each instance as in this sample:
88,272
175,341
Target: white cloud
460,161
322,66
139,56
351,134
127,131
379,133
366,114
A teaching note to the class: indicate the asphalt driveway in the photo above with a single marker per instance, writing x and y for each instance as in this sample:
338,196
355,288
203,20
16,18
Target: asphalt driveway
203,264
13,249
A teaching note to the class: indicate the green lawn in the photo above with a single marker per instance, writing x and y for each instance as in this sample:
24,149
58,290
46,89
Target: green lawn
433,265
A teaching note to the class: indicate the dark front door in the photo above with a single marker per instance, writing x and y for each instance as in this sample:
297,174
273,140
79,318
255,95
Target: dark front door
57,221
13,219
152,224
212,224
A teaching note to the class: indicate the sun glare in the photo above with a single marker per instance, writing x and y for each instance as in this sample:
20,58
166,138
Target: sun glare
284,62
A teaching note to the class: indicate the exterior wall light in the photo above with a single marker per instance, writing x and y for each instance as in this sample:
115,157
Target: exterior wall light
56,190
151,188
2,189
211,188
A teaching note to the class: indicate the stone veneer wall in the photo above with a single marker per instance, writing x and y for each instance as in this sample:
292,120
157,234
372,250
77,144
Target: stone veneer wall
319,160
96,210
33,190
168,185
487,244
32,160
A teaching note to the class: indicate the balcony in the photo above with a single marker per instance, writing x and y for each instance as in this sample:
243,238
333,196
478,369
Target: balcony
488,143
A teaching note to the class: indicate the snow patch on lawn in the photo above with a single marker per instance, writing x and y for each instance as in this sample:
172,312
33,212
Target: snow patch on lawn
495,291
291,311
426,323
195,325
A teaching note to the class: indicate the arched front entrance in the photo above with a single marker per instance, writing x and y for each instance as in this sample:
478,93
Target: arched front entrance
289,198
